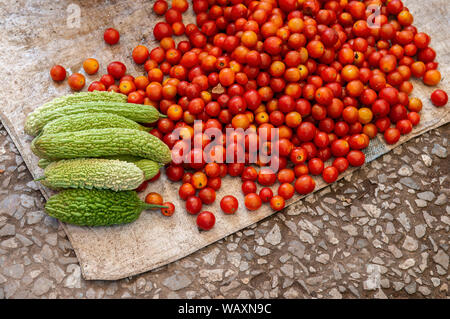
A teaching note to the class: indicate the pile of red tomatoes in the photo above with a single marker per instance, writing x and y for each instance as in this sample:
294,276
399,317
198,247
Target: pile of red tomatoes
328,74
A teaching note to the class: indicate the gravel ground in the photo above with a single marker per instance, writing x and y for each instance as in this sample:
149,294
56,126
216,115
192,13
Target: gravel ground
381,233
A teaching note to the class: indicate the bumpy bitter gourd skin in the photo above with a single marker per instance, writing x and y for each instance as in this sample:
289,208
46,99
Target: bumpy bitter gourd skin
86,121
43,163
92,173
137,112
101,143
33,123
149,167
95,207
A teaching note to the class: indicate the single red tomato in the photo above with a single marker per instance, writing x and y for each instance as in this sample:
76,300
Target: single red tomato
392,135
58,73
175,172
414,117
304,184
340,147
301,169
154,199
330,174
341,164
111,36
180,5
140,54
186,190
169,210
193,205
277,203
315,166
207,195
266,177
99,86
116,69
212,170
356,158
439,98
286,190
249,174
206,220
187,178
286,175
252,201
214,182
107,80
265,194
160,7
298,155
76,81
404,126
306,131
248,187
235,169
229,204
162,30
134,97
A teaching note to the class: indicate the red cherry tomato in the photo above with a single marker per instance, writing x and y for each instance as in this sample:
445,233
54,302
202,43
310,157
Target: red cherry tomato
207,195
392,135
58,73
99,86
193,205
266,177
111,36
341,164
356,158
439,98
229,204
265,194
154,199
330,174
248,187
212,170
162,30
214,182
186,190
286,175
175,172
252,201
236,169
169,210
277,203
315,166
206,220
286,190
298,155
76,81
304,184
116,69
249,174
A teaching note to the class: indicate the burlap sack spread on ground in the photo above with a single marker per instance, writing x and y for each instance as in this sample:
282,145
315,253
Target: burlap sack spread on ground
38,34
